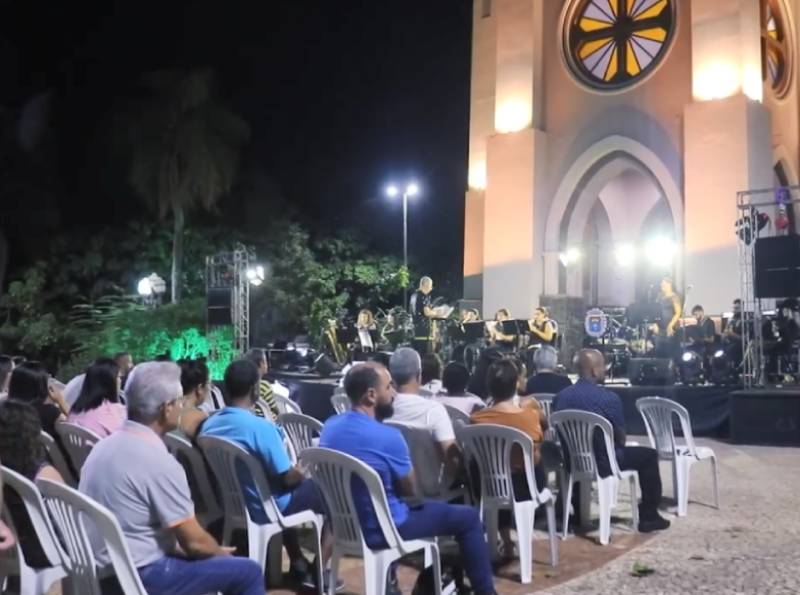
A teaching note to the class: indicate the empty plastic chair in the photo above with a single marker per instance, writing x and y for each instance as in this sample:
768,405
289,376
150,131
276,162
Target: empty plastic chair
56,458
192,461
334,472
659,415
286,405
577,429
70,511
228,461
301,430
341,403
78,442
32,581
490,446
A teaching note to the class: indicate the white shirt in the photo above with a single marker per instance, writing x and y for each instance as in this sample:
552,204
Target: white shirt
432,388
414,410
466,403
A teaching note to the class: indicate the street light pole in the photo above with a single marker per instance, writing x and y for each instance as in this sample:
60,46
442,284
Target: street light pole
405,247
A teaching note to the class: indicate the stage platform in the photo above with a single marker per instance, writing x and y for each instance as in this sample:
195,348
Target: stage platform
757,416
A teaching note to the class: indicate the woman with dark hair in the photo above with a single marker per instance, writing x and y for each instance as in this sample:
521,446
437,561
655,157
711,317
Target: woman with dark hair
97,407
30,383
6,367
503,380
195,383
22,451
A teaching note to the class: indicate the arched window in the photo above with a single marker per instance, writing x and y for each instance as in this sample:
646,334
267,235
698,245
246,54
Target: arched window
610,44
776,46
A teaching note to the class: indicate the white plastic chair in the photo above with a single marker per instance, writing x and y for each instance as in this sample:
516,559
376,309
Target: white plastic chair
300,429
228,460
658,414
431,474
56,458
192,461
577,429
32,581
457,416
491,446
341,403
216,400
262,409
70,510
78,441
286,405
334,472
546,401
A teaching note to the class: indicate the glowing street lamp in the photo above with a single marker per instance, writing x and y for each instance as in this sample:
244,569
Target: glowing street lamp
151,288
255,275
392,191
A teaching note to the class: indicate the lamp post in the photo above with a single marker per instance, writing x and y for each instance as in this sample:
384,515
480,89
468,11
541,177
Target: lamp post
411,189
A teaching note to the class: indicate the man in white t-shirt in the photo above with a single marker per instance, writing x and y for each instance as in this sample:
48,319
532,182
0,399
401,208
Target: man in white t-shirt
413,410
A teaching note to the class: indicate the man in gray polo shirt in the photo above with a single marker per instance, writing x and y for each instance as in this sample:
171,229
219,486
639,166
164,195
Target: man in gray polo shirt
132,474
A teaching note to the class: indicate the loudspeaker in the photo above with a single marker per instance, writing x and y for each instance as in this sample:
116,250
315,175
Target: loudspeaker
325,366
218,306
777,267
651,371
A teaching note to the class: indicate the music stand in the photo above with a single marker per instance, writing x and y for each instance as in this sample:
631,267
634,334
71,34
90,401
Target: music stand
474,331
346,336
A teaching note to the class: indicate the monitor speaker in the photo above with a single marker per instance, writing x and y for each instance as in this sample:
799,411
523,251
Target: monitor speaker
218,306
777,267
651,371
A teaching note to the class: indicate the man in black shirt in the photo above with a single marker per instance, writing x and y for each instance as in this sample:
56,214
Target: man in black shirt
703,334
421,314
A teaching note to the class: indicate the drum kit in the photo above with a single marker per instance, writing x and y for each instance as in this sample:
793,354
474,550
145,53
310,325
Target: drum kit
620,334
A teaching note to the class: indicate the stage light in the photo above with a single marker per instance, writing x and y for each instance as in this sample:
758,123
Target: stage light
691,368
625,254
719,353
477,176
661,252
512,116
687,357
144,288
255,275
392,191
570,256
412,189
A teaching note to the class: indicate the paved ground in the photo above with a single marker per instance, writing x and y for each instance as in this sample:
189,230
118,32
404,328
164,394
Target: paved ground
749,546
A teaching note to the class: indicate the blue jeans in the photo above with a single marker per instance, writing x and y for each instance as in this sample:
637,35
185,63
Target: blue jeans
306,496
228,574
439,518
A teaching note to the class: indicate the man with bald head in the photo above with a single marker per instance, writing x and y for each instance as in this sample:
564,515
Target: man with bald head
587,395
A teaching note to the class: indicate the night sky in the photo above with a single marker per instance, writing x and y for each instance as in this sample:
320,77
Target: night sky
341,96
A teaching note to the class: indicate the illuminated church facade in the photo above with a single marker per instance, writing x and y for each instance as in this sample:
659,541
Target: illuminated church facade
609,139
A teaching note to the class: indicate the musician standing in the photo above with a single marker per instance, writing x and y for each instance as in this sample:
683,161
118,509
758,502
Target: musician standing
421,315
365,326
671,310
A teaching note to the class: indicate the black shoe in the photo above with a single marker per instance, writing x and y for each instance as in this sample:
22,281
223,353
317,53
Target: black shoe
656,523
310,581
299,569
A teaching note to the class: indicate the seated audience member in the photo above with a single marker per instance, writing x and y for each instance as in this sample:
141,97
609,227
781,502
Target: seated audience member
6,367
546,380
21,451
413,410
265,389
132,473
30,383
503,383
477,382
124,360
431,375
454,383
586,395
195,384
97,408
293,492
360,434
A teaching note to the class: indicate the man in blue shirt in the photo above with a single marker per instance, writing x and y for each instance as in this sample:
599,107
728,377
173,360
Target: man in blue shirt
586,395
293,492
360,434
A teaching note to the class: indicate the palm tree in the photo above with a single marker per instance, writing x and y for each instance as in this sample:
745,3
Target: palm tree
186,149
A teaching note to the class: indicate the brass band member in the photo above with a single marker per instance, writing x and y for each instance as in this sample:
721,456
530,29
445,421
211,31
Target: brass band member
365,325
495,328
542,328
421,313
334,349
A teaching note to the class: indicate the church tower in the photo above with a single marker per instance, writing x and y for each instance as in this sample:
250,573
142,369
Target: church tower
608,140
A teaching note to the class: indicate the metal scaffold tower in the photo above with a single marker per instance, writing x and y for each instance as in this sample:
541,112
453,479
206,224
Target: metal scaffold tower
756,213
227,271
